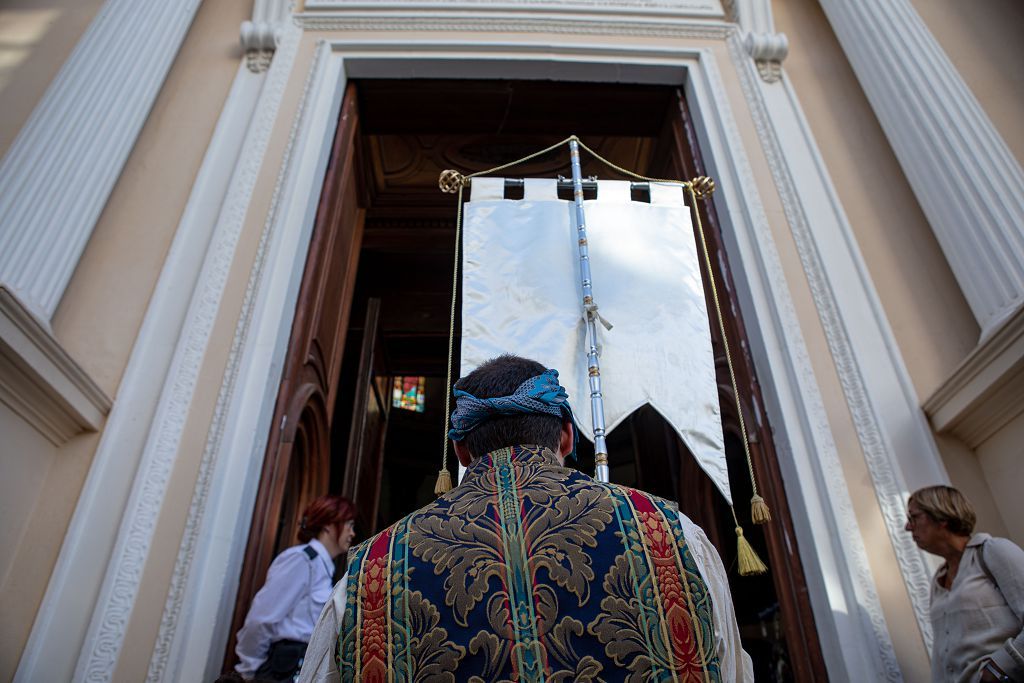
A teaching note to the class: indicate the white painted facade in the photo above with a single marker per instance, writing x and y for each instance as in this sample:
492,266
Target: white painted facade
275,132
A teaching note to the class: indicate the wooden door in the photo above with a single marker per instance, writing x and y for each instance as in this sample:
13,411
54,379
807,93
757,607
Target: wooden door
296,465
370,410
778,536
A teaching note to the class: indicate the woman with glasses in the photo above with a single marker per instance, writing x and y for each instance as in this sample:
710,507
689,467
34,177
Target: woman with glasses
977,595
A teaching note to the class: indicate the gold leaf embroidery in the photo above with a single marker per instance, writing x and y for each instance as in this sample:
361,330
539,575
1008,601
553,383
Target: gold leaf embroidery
434,657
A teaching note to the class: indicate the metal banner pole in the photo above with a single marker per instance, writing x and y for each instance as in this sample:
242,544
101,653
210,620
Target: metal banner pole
590,308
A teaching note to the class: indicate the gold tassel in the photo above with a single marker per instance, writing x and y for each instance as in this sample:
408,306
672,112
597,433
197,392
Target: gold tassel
759,512
750,563
444,482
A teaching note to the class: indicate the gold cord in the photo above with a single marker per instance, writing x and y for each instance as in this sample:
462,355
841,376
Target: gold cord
524,159
627,172
444,478
760,510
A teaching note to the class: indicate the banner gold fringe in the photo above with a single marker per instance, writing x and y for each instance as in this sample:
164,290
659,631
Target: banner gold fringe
759,512
750,564
444,482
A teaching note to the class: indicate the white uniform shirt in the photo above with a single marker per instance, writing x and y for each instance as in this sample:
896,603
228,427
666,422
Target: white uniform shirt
287,606
320,665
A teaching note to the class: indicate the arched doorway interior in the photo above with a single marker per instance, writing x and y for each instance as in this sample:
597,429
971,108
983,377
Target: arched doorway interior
374,305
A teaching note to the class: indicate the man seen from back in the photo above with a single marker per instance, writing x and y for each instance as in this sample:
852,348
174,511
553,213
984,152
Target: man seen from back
529,570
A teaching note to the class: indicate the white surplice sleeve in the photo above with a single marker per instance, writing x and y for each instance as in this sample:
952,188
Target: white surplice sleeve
736,664
319,665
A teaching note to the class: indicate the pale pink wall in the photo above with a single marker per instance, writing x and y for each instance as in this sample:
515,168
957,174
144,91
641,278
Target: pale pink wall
99,317
929,316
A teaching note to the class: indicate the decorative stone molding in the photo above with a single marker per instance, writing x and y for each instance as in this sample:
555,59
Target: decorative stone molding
898,448
40,381
691,8
959,167
866,639
261,36
106,505
505,23
60,170
766,47
116,600
662,18
170,651
768,51
987,391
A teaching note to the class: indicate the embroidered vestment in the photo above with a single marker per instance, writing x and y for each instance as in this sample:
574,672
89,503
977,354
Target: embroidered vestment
529,571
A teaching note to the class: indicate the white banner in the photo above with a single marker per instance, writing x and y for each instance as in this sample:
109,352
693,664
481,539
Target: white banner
522,295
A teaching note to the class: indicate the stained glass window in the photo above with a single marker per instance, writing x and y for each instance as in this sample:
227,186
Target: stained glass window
407,393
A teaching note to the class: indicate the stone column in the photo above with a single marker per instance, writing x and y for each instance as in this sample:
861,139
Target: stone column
968,183
60,170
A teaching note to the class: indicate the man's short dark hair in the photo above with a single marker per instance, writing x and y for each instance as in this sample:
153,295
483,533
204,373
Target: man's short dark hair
501,376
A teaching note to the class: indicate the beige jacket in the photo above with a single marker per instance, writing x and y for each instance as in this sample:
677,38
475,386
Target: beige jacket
981,616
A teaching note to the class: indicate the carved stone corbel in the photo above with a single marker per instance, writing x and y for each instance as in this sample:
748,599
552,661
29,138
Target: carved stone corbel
768,50
766,47
260,36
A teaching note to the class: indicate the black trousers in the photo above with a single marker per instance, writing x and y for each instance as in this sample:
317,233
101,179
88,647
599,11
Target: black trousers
283,662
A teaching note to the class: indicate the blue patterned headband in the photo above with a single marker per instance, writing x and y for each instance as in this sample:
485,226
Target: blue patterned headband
540,395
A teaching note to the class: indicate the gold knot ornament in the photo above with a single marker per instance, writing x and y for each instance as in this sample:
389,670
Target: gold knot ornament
451,180
703,186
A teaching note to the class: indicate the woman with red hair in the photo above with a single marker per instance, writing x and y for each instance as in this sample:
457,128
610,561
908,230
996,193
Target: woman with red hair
272,642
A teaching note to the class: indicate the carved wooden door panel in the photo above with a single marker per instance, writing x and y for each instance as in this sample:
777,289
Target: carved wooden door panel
369,426
296,465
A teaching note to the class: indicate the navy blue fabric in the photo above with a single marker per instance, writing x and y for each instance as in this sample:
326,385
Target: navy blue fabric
527,571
